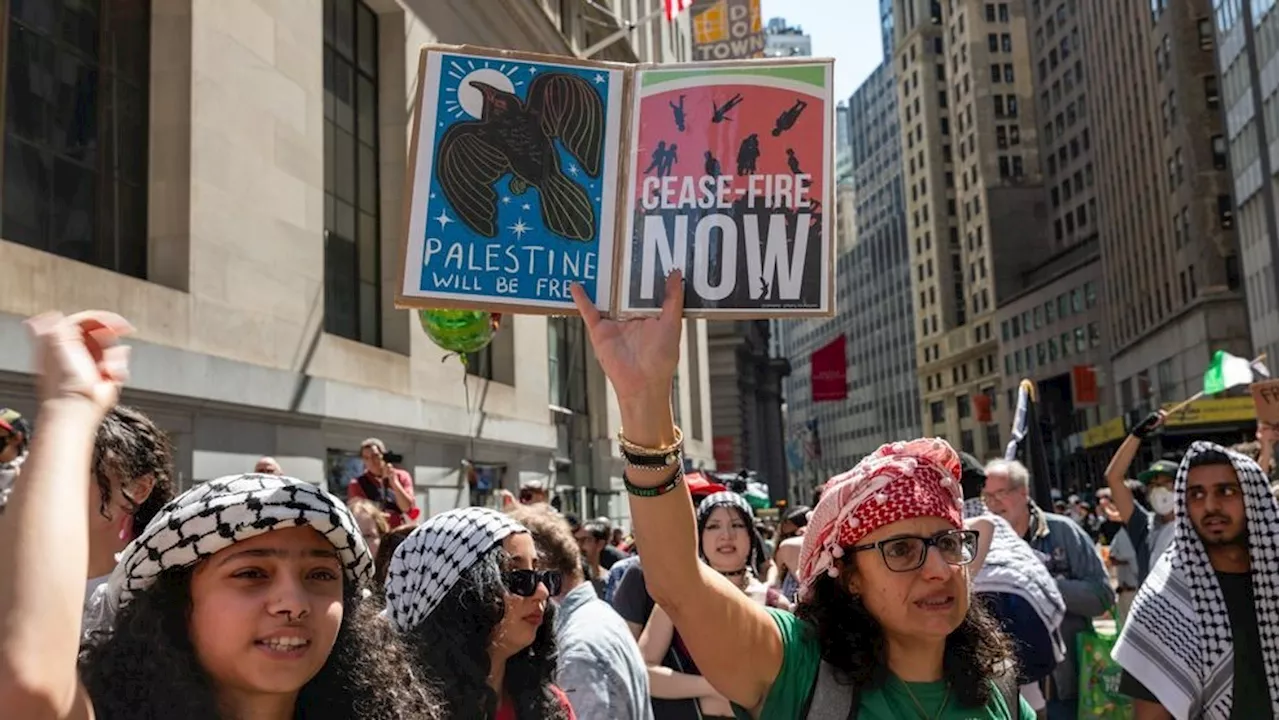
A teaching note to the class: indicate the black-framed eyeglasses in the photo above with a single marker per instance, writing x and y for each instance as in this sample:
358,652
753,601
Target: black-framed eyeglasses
907,552
525,582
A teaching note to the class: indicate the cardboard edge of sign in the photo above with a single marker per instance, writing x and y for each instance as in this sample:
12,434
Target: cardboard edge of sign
412,302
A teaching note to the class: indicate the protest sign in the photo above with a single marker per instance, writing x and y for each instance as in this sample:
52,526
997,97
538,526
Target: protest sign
530,172
729,182
512,177
1265,396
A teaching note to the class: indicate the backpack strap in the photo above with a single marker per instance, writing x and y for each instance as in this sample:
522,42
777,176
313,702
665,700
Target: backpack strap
831,699
1006,683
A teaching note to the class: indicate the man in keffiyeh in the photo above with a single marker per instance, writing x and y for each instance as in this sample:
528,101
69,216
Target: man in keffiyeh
1201,637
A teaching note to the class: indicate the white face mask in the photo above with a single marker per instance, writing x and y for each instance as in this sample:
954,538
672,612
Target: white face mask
1162,500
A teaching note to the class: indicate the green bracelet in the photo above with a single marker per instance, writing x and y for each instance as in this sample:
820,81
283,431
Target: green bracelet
650,492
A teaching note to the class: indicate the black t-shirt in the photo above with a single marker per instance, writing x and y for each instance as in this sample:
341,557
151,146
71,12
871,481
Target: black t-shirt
1249,675
610,555
632,601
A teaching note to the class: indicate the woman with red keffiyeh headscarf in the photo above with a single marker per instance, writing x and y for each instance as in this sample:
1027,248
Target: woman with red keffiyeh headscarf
884,627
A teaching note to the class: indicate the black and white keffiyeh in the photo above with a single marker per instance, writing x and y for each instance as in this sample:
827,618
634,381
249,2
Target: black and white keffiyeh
1177,641
219,513
427,565
728,498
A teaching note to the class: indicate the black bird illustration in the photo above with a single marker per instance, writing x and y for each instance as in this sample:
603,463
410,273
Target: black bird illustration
518,137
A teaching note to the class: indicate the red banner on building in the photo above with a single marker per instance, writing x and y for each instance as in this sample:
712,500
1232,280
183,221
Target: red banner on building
722,451
1084,386
982,407
829,379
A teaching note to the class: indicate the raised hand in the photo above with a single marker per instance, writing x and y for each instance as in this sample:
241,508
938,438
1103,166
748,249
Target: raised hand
638,356
79,356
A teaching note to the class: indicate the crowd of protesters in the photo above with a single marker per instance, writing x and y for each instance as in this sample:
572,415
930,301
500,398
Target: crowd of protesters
919,584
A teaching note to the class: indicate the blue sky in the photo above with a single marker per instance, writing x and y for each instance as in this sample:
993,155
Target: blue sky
848,30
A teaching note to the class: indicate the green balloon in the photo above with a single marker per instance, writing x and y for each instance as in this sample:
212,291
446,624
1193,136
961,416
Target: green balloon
459,331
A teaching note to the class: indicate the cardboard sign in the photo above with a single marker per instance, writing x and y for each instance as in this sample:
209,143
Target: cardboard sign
1265,396
729,181
531,172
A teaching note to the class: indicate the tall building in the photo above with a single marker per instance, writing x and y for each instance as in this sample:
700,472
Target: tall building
250,234
1172,276
1051,328
975,205
783,40
842,128
1246,37
874,312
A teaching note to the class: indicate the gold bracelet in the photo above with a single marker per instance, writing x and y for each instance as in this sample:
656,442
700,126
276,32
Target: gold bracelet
630,448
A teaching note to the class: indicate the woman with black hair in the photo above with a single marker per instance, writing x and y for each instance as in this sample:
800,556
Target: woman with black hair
241,599
465,591
884,628
729,544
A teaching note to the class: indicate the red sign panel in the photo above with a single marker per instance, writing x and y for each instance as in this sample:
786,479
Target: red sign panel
722,451
1084,386
982,407
829,380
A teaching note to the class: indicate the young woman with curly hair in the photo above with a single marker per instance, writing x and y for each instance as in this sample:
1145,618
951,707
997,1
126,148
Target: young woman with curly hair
465,590
884,627
239,600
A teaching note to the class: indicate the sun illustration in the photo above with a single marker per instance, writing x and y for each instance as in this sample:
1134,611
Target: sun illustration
469,100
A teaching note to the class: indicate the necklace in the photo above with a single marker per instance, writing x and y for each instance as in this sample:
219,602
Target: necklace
924,715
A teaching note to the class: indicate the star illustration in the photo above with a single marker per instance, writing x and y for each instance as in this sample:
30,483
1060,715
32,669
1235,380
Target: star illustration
599,78
433,196
573,170
443,219
506,200
532,69
519,229
524,206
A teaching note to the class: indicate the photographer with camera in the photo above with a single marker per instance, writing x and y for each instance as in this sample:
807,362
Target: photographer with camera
389,487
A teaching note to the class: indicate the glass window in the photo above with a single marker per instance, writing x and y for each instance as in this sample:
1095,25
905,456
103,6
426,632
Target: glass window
1048,313
1080,340
76,130
352,218
962,406
1064,340
1095,335
1077,300
1090,294
937,411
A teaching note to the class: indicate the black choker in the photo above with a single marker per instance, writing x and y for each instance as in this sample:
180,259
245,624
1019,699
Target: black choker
734,573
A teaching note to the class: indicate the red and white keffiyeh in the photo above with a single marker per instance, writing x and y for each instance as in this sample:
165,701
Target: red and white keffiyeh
899,481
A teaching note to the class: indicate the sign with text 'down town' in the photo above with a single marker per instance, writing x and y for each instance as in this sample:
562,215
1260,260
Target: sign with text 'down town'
727,30
530,173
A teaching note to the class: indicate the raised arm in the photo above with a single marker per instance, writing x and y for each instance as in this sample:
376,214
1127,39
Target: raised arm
1121,495
44,550
734,641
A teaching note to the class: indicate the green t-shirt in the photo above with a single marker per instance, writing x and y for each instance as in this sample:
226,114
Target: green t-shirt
801,657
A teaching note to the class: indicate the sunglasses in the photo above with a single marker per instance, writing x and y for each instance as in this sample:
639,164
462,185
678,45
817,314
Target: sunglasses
907,553
525,582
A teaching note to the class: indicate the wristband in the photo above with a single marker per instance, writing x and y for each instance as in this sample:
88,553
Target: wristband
649,492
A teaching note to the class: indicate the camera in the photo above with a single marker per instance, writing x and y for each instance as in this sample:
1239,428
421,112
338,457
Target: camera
394,458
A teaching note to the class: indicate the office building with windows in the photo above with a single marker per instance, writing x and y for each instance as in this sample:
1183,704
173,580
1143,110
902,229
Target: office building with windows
1171,272
874,312
228,176
1245,89
975,204
783,40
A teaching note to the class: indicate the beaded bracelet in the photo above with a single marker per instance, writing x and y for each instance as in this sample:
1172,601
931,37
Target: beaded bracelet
651,492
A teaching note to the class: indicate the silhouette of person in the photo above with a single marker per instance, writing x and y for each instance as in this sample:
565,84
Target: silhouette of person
721,111
712,165
657,158
793,162
668,160
787,119
678,111
748,153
